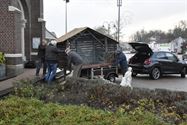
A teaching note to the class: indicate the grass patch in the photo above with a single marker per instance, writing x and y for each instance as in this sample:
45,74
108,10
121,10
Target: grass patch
15,110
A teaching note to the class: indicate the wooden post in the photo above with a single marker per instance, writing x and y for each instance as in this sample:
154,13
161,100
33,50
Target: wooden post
117,70
102,71
106,45
92,73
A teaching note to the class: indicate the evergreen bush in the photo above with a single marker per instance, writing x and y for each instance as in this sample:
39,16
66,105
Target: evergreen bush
2,58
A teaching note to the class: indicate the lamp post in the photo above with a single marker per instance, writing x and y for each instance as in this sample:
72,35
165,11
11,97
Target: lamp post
66,15
119,4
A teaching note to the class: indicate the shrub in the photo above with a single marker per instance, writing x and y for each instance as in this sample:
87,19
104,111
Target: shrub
17,111
168,105
2,58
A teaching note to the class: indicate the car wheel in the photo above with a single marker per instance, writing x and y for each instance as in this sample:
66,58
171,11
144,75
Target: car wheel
134,74
183,72
155,73
112,78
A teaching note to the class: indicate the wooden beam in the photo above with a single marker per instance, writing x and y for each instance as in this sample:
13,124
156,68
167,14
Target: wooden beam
96,38
106,45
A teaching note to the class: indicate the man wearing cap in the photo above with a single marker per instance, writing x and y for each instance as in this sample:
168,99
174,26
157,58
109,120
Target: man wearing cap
121,60
75,59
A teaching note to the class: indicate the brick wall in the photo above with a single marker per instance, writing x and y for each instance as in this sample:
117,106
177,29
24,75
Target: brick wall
7,28
10,33
10,30
38,28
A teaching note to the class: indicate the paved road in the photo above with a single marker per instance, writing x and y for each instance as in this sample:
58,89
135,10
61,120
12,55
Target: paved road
170,82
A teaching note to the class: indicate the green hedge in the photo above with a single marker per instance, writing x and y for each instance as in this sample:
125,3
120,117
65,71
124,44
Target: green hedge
2,58
167,105
21,111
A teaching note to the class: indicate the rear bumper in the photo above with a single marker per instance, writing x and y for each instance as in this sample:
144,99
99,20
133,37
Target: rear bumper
143,69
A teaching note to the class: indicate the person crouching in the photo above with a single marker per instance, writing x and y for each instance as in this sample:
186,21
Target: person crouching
77,61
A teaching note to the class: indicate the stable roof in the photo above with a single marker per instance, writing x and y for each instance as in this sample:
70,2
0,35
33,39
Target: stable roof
77,31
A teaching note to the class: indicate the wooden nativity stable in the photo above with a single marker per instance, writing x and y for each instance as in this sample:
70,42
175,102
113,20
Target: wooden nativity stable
91,45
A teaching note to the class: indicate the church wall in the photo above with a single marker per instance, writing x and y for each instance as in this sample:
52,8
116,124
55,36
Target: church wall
11,23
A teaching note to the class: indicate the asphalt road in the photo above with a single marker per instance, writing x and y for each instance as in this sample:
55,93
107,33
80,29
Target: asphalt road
170,82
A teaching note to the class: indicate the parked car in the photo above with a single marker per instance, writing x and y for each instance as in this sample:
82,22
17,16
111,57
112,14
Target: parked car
145,61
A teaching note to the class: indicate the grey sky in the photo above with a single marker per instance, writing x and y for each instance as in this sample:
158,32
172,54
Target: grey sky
139,14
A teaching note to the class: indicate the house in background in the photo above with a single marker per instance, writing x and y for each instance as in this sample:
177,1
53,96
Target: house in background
49,35
90,44
176,45
159,45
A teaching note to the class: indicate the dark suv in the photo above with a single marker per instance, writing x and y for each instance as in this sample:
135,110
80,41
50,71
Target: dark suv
145,61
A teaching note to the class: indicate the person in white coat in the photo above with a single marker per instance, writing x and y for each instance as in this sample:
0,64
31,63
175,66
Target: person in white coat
127,79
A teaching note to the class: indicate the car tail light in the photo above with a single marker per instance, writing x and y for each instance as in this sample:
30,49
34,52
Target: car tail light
147,61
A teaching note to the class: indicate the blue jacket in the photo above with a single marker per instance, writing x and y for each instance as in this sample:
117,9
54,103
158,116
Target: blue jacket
122,61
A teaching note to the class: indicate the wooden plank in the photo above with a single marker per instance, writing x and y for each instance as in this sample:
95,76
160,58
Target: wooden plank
86,66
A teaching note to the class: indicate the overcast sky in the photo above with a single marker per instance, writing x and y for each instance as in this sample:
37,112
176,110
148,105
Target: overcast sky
137,14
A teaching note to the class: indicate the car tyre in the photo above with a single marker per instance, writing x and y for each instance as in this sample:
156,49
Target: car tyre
112,78
134,74
155,73
183,72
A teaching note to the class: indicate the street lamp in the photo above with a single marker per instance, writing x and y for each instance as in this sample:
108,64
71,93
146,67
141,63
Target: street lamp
119,4
66,15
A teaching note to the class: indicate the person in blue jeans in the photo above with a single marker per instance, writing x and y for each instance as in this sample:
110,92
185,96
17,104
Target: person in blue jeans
121,60
51,55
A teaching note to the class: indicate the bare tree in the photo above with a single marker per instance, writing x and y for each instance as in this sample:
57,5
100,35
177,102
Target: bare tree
180,30
111,28
104,31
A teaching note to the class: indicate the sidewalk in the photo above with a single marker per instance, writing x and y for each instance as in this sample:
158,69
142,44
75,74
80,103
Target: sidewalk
7,85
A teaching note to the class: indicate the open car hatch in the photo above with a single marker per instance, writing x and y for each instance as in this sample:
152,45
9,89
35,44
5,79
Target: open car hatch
141,47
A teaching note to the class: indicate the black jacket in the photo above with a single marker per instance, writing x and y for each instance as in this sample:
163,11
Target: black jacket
52,53
41,51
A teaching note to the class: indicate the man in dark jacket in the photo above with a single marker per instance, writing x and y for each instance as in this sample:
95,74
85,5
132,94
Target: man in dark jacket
121,60
75,59
51,56
41,58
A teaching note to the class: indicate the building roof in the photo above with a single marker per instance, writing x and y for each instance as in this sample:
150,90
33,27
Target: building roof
71,34
50,35
77,31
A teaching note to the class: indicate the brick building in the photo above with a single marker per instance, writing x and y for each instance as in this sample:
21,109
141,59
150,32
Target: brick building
21,28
